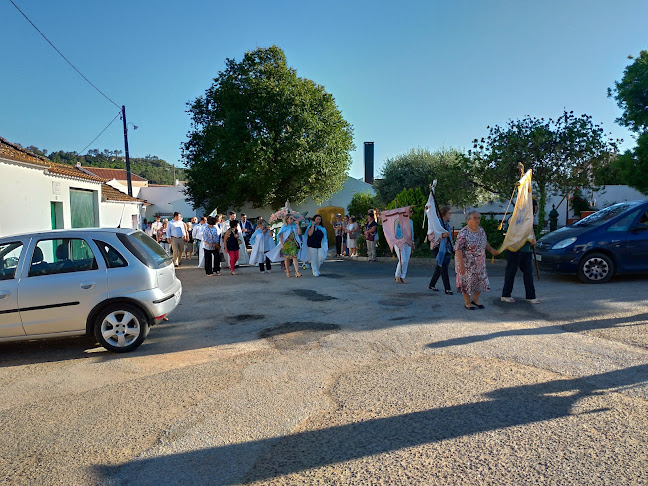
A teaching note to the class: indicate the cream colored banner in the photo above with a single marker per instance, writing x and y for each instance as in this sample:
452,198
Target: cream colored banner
520,229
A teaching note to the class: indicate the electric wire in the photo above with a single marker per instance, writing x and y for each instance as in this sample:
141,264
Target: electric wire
100,134
61,54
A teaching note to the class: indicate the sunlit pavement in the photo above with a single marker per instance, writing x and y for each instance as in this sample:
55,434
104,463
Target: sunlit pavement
346,378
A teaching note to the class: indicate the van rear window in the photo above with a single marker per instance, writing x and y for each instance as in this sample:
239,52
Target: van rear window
145,249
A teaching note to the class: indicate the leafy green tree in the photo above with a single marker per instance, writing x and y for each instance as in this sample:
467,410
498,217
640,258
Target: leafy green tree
419,167
633,165
261,134
631,94
560,152
360,204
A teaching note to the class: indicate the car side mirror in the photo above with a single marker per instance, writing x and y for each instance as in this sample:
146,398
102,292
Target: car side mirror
638,228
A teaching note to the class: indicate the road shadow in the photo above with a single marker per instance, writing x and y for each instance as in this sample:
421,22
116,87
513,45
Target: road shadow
275,457
578,326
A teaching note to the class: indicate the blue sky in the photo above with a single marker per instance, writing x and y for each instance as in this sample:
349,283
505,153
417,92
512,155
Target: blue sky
412,74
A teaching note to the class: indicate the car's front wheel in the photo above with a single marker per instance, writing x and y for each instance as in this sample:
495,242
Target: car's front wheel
596,268
121,327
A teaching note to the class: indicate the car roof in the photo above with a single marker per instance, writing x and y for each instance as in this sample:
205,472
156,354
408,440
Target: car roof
62,233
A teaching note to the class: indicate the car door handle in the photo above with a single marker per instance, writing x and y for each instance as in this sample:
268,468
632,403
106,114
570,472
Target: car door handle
87,285
4,294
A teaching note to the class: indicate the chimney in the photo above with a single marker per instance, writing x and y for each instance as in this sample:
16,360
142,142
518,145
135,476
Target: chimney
369,162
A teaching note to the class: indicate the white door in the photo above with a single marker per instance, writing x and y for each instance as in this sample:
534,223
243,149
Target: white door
10,323
59,291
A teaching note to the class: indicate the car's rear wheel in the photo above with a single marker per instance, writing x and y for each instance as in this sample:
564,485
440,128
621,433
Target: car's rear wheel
596,268
121,327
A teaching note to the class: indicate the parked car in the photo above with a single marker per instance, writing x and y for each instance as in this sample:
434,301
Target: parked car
612,240
113,283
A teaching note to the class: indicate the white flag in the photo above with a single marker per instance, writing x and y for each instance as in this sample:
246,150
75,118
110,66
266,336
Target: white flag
435,230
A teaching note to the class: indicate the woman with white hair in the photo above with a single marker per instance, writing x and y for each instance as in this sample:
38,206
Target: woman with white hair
470,254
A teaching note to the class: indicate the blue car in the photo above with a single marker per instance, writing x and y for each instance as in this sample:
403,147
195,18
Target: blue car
612,240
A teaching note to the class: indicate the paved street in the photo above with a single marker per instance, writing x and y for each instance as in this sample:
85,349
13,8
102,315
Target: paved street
347,378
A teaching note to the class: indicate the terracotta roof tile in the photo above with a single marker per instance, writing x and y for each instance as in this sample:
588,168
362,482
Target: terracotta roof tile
15,152
109,174
112,194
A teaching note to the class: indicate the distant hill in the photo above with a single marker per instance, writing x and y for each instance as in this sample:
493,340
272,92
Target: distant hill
151,168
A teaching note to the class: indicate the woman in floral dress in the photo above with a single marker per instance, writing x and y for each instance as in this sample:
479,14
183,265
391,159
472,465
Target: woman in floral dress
470,255
289,239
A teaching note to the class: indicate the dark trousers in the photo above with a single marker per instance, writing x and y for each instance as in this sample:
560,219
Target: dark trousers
338,244
524,261
442,271
267,265
212,261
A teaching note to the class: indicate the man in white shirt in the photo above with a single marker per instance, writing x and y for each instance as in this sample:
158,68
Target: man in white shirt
177,231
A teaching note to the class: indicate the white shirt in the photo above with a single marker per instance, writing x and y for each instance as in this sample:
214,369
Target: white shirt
176,229
197,231
157,225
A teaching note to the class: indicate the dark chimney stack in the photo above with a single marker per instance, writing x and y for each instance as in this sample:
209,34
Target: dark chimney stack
369,162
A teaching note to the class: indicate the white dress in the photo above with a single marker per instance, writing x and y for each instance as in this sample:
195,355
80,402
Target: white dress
353,227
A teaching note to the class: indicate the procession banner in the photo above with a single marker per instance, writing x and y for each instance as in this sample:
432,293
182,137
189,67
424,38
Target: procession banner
520,228
396,227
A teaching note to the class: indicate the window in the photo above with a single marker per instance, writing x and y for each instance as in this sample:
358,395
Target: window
604,215
112,257
63,255
625,222
145,249
9,257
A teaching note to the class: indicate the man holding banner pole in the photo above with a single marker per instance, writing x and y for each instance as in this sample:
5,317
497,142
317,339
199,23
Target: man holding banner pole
519,239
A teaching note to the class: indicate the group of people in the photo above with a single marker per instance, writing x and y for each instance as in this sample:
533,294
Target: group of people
470,263
216,240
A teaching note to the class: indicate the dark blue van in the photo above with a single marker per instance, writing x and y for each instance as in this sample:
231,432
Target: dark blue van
612,240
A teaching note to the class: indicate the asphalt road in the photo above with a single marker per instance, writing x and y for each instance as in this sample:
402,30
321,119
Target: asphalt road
348,378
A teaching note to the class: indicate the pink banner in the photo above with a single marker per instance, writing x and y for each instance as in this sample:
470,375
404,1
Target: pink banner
396,227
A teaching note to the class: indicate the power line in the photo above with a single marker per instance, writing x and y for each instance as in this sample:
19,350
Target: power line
61,54
100,133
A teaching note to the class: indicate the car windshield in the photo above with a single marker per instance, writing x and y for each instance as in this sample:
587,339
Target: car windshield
604,215
145,249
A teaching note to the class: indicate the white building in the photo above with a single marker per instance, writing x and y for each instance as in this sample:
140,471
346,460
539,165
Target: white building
165,200
37,194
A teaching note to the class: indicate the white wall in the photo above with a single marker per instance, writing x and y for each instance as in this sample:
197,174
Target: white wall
114,212
25,196
166,200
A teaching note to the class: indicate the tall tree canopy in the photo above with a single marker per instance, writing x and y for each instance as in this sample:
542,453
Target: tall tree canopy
419,167
561,153
261,135
631,94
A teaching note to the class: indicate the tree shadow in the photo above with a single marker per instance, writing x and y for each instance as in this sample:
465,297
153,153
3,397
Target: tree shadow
577,326
274,457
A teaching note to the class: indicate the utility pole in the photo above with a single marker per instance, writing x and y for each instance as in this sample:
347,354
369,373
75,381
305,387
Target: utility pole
128,170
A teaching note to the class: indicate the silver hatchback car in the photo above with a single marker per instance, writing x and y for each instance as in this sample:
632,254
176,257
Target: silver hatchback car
113,283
